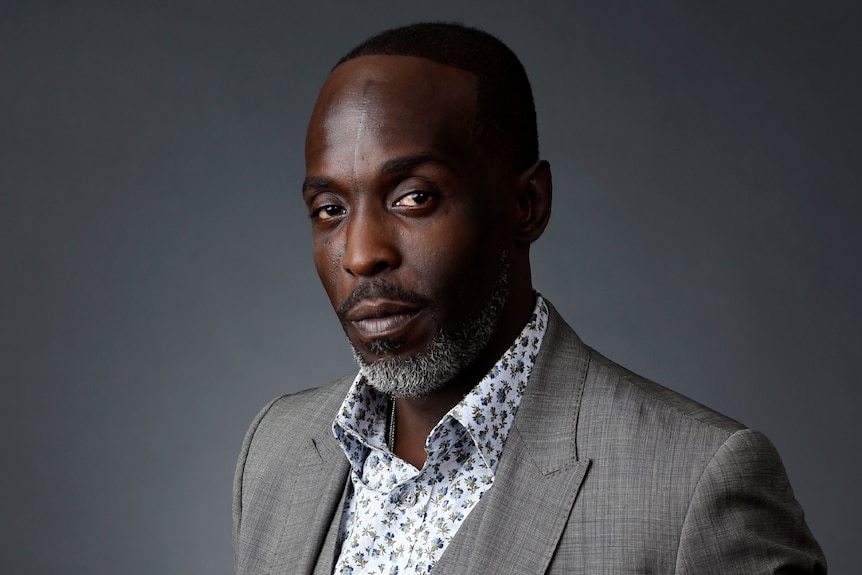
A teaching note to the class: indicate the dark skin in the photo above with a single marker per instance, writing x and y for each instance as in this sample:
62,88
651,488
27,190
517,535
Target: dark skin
400,192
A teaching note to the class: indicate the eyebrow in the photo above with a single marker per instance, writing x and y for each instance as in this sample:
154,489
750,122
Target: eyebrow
315,183
398,165
393,166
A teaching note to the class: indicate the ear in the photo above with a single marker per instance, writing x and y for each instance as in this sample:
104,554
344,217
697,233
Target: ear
534,202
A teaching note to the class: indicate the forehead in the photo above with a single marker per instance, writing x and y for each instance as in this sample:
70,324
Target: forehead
400,101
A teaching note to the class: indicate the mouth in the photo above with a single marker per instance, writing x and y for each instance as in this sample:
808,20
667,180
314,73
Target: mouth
378,319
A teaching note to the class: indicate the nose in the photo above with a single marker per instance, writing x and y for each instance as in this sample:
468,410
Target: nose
370,244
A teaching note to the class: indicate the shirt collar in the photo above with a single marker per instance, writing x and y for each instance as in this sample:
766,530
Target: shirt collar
487,412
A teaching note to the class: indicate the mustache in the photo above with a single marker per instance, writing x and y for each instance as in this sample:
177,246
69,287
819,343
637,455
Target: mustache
378,289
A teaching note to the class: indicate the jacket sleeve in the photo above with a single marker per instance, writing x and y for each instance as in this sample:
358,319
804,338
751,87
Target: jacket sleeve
743,517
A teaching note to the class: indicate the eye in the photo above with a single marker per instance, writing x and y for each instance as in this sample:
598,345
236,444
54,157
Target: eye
327,212
413,199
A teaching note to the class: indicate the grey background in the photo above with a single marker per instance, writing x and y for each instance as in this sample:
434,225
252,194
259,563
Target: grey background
157,285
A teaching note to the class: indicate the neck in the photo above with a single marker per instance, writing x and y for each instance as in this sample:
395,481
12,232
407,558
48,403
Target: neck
415,417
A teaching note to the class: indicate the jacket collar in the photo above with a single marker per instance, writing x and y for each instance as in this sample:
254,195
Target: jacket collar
517,525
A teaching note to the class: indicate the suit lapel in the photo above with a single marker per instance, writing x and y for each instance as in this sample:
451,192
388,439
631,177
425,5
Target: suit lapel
316,510
329,550
518,523
310,481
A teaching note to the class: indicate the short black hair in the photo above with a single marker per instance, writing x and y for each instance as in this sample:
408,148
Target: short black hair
505,112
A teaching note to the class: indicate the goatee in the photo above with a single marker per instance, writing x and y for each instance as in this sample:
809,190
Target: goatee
447,355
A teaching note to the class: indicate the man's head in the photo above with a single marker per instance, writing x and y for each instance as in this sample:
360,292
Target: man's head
424,200
505,122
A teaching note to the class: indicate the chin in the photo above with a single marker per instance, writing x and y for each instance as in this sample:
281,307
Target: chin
393,370
408,376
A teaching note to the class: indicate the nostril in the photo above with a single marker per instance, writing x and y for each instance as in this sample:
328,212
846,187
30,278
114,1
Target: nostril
373,269
369,248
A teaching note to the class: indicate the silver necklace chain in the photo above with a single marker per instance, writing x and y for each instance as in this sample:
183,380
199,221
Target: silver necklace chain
390,435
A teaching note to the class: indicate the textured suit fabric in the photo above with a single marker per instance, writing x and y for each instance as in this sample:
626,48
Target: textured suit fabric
603,472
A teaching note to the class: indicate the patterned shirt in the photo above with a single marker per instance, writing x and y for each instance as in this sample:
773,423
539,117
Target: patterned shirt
399,520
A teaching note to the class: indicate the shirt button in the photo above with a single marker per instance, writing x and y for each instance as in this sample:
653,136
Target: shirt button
408,499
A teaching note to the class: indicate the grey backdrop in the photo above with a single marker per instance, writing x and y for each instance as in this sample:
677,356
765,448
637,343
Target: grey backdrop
157,286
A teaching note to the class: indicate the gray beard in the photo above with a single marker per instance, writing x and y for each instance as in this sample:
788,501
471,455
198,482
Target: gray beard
447,354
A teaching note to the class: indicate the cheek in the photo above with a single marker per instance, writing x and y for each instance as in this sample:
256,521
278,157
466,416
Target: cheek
458,262
326,258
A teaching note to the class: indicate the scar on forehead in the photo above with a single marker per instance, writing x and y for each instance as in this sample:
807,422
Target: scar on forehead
364,105
350,114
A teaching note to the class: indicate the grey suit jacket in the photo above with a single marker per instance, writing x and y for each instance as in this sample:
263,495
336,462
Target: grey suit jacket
603,472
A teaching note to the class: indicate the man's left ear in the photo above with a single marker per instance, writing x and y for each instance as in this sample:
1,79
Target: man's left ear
534,202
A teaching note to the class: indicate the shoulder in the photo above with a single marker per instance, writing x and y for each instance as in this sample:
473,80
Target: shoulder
307,405
307,413
620,414
611,388
627,418
704,488
288,447
290,429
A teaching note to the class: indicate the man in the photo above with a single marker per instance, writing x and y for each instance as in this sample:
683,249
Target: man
480,434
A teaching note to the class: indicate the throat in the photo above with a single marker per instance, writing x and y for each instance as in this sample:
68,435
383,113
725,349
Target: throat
412,419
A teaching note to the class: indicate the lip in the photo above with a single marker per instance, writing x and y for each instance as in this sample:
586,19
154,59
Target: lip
380,319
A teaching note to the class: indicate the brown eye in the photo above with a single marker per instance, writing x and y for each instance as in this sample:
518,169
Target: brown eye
413,199
327,212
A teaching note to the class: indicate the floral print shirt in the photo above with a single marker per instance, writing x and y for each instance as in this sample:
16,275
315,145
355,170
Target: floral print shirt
399,520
